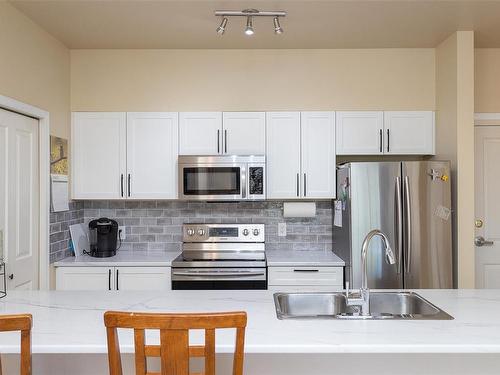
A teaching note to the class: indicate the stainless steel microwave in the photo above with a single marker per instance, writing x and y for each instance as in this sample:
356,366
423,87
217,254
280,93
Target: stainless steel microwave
222,178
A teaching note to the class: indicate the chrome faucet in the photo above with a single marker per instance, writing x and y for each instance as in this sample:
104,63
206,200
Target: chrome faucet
362,299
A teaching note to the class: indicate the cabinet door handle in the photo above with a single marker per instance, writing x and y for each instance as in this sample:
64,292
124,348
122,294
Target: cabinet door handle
298,185
128,185
225,141
121,184
218,141
305,185
388,140
380,140
109,279
310,270
117,286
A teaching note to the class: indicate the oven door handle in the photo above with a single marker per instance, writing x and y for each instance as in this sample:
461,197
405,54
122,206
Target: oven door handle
218,273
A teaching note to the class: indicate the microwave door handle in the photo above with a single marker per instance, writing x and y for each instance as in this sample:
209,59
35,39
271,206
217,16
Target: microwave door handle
244,182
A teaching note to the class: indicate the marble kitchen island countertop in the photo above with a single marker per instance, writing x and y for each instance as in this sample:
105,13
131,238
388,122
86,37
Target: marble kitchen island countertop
72,322
125,258
304,258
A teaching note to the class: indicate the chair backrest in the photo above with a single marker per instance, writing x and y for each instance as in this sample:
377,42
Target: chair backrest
174,350
21,323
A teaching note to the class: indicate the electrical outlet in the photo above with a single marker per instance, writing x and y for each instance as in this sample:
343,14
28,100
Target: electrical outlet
121,232
281,229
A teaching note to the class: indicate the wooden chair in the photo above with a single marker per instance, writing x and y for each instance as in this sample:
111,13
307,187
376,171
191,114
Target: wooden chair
174,349
21,323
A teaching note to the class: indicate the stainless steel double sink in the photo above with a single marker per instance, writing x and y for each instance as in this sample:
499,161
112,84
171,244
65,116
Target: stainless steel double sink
383,305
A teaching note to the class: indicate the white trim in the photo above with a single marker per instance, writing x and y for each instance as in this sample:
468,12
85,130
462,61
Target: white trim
44,170
487,118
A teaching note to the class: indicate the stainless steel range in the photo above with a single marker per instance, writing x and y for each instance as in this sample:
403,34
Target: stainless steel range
221,256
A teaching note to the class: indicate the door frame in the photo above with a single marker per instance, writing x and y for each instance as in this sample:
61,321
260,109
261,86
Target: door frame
44,174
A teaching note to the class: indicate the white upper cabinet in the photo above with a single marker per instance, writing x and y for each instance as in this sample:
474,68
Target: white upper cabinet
300,155
244,133
409,133
383,133
318,154
359,132
200,133
152,149
98,155
283,155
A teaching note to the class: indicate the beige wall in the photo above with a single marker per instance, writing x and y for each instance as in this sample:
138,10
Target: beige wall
455,141
487,80
34,67
197,80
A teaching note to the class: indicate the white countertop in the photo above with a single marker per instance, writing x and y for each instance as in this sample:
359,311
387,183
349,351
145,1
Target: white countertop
126,258
306,258
72,322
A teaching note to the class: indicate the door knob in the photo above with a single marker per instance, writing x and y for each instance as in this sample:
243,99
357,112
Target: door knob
11,276
480,241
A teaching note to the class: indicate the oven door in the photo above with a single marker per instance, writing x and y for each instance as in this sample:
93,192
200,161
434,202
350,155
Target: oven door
219,278
212,182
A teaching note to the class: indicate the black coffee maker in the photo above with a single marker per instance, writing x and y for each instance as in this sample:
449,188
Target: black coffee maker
103,237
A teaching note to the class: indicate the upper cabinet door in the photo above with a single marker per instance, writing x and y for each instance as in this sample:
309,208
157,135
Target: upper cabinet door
244,133
360,132
200,133
283,155
409,133
98,150
318,155
152,149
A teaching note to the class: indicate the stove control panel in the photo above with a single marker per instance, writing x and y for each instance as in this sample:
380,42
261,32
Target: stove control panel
223,233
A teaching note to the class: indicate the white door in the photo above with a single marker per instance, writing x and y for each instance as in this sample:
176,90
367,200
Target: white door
98,151
142,278
19,199
85,278
487,202
244,133
200,133
283,155
359,132
408,133
152,148
318,155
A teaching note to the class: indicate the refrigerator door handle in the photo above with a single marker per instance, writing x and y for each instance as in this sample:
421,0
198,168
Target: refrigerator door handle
399,224
407,224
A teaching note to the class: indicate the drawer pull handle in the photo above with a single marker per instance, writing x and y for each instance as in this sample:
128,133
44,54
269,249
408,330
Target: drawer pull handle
305,270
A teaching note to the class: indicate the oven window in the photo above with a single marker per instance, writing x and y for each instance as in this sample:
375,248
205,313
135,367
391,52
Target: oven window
212,181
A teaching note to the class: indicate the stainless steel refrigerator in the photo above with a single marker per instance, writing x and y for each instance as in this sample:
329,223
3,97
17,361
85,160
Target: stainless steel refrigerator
411,203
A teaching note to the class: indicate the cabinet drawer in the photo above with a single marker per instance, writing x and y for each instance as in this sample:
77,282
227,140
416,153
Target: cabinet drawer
327,276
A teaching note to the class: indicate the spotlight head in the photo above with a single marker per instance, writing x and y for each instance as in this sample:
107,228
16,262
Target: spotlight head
277,27
249,28
222,27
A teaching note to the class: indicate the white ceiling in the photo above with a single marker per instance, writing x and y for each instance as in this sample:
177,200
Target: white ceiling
309,24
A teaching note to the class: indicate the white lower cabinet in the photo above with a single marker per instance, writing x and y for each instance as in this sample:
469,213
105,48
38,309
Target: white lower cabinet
285,279
142,278
113,278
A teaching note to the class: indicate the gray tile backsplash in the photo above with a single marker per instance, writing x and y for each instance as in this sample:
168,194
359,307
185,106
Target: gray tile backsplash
157,225
59,230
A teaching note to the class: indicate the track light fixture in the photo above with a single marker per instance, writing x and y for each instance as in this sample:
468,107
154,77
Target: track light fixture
249,14
249,27
222,27
277,27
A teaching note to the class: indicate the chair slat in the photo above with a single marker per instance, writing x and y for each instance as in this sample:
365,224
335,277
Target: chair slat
174,352
210,352
114,360
141,367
